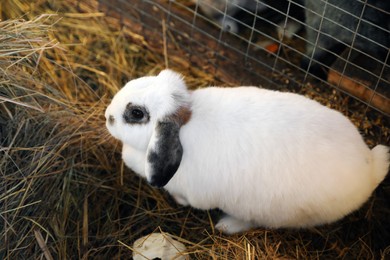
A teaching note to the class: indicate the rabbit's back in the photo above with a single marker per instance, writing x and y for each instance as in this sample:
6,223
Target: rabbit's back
270,157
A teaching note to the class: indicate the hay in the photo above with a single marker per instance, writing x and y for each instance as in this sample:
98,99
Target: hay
64,193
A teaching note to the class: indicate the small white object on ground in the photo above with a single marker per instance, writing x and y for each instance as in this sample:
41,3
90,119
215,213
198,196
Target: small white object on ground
158,245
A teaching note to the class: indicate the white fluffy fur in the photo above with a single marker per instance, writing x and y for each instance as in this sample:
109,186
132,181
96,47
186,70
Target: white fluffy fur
263,157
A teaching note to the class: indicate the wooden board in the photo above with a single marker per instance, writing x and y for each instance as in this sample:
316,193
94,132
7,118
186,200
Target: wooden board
359,79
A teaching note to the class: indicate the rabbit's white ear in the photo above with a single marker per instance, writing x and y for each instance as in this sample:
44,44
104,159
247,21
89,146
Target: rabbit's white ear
165,151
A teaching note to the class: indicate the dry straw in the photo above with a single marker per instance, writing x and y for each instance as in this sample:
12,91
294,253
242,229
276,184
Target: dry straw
64,193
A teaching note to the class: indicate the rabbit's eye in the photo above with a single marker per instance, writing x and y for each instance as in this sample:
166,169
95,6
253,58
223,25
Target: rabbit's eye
135,114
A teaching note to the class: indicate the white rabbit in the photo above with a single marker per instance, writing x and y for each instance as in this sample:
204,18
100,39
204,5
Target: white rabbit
265,158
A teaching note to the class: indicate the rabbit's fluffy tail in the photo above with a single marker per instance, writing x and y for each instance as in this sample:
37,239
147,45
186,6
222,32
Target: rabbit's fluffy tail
380,163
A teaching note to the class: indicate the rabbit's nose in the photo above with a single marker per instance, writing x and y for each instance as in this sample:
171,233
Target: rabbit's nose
111,119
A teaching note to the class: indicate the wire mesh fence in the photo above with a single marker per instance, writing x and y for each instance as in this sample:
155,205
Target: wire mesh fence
341,45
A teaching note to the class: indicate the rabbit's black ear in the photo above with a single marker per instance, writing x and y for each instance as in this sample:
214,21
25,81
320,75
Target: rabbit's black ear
165,150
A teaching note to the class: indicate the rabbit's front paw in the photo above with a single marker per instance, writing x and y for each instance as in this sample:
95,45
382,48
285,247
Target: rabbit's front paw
181,200
230,225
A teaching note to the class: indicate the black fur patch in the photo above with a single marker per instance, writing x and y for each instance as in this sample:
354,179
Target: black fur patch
166,158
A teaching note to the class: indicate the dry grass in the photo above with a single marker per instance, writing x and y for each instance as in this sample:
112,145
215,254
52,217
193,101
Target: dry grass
64,193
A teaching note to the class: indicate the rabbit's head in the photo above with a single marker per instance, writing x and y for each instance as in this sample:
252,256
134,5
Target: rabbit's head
147,114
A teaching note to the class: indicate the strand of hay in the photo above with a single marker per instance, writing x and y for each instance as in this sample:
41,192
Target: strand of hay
42,130
64,192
